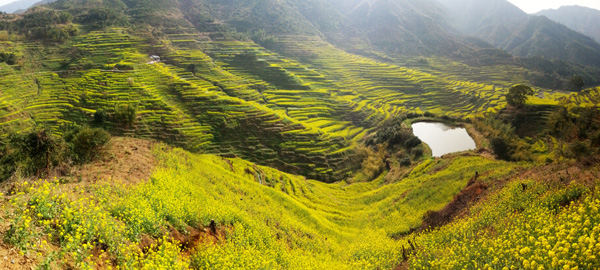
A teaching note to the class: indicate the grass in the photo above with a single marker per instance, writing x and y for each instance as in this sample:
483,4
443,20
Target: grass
540,227
282,221
266,218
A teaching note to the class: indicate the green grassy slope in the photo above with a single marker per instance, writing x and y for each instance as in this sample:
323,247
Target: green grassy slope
531,223
266,218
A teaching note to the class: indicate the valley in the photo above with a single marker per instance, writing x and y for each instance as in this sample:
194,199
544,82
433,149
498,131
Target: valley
176,134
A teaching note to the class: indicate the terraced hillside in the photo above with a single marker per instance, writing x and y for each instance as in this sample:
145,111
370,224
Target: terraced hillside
303,110
207,109
441,86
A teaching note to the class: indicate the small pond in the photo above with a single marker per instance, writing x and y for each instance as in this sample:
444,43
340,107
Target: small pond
443,139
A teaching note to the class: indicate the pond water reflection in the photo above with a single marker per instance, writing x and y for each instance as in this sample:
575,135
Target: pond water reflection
443,139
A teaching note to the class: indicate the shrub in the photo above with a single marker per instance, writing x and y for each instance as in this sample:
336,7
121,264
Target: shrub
100,117
88,143
413,115
405,161
429,114
8,58
373,163
125,114
579,150
417,152
517,95
31,154
412,142
500,147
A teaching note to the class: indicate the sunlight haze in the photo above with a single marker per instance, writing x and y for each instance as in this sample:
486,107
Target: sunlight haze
533,6
529,6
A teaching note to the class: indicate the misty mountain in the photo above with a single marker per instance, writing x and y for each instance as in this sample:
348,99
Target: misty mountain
472,17
507,27
473,33
538,36
402,26
23,5
18,5
581,19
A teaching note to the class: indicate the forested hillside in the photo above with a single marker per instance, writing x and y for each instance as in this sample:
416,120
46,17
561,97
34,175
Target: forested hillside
263,134
580,19
505,26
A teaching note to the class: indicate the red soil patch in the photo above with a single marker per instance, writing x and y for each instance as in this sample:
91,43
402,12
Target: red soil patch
472,193
125,159
192,238
11,259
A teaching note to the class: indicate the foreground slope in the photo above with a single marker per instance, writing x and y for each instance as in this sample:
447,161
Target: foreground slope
209,212
263,217
548,219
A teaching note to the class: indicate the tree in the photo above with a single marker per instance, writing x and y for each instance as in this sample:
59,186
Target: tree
577,83
88,142
100,117
501,148
517,95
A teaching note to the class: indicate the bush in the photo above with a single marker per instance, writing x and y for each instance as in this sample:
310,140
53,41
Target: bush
100,18
8,58
500,147
33,153
429,114
579,150
88,143
413,115
125,114
518,94
417,152
412,142
38,152
100,117
405,161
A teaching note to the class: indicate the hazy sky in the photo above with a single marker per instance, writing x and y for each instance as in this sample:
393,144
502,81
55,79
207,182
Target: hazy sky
529,6
533,6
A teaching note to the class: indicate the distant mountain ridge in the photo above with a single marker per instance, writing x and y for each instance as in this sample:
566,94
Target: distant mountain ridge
22,5
473,16
507,27
18,5
402,26
581,19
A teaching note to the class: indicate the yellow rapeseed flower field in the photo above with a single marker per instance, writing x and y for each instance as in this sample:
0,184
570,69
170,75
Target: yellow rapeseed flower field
206,212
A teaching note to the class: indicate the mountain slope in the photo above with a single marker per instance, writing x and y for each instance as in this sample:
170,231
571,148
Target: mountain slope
471,16
302,107
399,27
18,5
538,36
581,19
507,27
